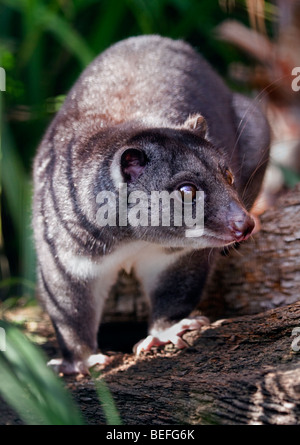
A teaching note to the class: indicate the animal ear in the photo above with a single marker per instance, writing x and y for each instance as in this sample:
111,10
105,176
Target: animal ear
133,162
196,123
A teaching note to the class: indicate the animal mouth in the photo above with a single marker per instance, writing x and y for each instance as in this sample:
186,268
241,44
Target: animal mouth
242,236
222,241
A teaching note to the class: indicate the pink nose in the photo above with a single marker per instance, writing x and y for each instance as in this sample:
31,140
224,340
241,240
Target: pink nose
240,223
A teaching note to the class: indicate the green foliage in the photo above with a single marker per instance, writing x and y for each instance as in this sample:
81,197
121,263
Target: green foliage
107,402
290,177
30,387
34,391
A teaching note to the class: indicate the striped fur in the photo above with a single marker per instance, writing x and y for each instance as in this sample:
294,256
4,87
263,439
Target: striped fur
144,94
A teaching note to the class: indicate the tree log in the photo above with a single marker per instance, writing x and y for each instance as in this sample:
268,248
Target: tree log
239,371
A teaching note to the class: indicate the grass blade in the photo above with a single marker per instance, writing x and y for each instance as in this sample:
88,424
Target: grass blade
107,402
17,190
30,387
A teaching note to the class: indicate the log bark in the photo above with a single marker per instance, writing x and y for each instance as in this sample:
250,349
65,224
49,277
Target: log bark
240,371
244,369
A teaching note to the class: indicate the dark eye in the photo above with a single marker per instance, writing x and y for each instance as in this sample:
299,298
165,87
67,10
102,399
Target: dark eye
229,176
188,192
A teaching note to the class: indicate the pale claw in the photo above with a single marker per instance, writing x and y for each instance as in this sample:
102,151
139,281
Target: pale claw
146,344
78,367
97,359
171,334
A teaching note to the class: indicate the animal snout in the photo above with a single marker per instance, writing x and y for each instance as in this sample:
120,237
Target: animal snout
240,223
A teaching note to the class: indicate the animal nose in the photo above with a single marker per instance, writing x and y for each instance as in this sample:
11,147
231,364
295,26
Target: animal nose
240,223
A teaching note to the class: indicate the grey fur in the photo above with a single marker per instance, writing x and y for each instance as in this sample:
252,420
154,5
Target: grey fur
140,93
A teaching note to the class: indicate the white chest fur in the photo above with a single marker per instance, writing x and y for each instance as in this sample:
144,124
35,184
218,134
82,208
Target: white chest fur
147,259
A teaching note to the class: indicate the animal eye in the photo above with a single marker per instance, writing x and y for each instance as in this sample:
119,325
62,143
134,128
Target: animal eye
188,192
229,176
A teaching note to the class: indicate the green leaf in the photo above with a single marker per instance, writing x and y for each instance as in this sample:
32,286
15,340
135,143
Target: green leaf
17,189
38,18
291,178
29,386
107,402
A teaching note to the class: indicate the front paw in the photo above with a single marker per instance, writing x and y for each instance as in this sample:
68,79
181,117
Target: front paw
61,366
171,335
